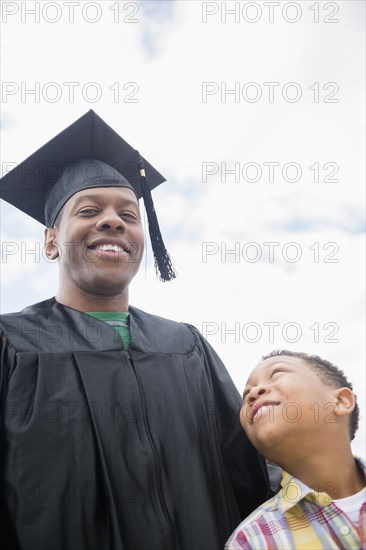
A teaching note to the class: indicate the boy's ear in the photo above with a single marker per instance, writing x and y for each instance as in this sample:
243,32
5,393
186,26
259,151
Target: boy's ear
345,400
50,243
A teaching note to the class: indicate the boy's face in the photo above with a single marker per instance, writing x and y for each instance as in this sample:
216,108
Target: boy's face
286,405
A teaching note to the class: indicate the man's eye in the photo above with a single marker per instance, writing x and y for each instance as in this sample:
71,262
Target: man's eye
88,211
129,216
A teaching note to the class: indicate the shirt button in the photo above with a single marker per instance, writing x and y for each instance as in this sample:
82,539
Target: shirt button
345,530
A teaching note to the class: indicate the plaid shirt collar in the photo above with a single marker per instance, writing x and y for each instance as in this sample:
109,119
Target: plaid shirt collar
293,490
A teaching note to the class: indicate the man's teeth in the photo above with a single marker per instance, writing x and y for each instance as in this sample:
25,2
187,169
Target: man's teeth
113,247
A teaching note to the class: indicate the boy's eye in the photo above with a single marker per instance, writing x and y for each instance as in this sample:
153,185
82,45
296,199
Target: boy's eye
275,371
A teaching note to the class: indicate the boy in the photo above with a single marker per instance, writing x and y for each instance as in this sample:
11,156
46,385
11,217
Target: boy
300,412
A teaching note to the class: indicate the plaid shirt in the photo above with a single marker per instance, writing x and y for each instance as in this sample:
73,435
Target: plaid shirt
298,517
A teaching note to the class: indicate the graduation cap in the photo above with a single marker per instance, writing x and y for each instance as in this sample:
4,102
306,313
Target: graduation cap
87,154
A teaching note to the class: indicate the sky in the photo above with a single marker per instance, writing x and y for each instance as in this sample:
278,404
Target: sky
254,112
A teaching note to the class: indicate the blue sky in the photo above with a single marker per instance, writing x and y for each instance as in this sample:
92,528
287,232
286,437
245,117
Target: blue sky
170,54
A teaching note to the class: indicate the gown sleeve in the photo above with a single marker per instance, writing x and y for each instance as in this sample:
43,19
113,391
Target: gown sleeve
7,361
247,469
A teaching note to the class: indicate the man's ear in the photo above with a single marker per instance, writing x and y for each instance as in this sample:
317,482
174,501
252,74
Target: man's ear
50,243
345,400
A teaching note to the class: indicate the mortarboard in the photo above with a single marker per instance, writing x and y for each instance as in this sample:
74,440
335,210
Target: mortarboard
87,154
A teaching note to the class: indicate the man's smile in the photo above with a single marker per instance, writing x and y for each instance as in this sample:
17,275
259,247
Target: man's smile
111,249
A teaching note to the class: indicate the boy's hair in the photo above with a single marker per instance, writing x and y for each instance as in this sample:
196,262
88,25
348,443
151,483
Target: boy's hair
329,374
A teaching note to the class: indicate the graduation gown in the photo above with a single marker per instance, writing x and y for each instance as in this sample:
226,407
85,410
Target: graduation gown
104,448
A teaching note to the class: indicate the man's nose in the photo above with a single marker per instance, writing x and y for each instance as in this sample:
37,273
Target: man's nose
111,221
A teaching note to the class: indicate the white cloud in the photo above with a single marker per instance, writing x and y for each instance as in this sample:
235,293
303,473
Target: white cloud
169,57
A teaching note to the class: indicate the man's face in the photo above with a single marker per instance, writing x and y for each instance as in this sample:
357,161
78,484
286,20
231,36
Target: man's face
100,240
285,404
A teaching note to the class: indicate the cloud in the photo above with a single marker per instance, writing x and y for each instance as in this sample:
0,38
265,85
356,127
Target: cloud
170,53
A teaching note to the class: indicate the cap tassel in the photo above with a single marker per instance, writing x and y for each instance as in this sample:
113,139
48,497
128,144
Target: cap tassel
163,263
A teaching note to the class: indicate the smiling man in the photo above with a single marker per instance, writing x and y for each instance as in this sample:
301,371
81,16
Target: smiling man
119,428
100,242
300,412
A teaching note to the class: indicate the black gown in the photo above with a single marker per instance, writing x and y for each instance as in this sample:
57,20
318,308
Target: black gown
104,448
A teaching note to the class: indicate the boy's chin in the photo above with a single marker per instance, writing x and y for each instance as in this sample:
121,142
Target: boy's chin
268,443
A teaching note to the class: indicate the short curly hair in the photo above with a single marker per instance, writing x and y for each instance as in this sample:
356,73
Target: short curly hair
329,374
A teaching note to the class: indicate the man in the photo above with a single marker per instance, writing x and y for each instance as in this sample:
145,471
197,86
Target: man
119,427
301,413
